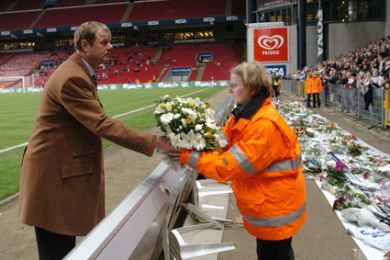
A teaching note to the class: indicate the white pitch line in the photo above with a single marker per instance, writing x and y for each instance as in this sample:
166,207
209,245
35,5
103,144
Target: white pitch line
120,115
150,106
13,147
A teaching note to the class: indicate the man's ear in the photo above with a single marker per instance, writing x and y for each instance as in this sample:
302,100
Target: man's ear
84,44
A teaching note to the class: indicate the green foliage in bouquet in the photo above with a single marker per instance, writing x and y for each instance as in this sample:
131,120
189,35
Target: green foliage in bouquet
354,149
336,174
347,198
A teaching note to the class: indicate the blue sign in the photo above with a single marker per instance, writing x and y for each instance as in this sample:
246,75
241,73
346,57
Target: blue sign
278,69
181,71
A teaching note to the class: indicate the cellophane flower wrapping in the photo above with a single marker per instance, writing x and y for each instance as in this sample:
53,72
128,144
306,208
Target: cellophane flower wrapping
189,123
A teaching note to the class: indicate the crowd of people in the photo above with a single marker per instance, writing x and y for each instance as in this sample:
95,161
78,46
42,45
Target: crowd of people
364,69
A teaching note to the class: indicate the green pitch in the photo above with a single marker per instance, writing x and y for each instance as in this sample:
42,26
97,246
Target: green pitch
18,112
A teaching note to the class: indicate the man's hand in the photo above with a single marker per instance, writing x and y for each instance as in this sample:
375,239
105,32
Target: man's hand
163,144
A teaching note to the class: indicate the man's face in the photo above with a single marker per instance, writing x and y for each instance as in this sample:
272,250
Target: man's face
100,50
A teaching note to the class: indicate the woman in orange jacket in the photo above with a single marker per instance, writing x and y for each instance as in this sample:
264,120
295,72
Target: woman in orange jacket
263,163
316,89
309,89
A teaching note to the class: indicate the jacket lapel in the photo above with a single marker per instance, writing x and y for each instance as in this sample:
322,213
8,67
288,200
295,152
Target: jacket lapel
76,58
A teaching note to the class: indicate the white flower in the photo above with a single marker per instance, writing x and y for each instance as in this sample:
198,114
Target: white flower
210,113
177,115
221,140
198,127
168,107
210,121
175,139
198,102
188,140
166,118
331,164
183,122
189,111
199,142
180,100
211,124
159,110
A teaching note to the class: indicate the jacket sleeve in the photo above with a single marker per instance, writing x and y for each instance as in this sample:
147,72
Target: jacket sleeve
308,86
262,145
77,98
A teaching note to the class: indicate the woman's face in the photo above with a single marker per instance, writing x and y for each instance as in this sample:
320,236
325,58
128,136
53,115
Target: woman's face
241,93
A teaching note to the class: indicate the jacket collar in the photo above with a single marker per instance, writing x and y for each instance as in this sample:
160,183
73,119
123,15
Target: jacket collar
247,111
75,57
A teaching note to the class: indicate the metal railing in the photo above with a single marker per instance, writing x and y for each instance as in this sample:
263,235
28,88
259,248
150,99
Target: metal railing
348,100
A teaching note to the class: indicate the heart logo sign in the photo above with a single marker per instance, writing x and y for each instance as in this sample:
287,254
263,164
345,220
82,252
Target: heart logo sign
270,42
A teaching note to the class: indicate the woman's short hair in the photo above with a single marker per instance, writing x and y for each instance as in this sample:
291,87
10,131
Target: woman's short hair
87,31
254,76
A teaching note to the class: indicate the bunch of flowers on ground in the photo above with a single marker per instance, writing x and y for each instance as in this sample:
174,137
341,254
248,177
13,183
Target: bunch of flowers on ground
189,123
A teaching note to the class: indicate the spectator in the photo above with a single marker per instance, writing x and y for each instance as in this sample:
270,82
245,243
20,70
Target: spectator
308,87
316,86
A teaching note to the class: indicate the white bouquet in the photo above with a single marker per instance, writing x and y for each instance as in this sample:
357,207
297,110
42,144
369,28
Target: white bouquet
189,123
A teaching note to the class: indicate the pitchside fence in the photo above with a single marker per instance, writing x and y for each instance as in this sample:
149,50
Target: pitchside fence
27,84
348,100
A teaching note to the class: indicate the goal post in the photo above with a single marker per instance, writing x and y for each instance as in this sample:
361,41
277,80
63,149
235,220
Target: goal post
14,83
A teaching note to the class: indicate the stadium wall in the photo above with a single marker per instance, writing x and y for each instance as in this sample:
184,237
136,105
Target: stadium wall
311,45
387,27
345,37
229,31
292,65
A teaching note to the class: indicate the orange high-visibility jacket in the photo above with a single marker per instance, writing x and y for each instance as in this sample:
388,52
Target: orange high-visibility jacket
316,85
263,162
308,85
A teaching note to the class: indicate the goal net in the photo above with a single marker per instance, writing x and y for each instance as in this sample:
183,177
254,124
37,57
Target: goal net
13,84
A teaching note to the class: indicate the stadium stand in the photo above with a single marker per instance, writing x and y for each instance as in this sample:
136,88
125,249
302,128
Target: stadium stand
131,64
128,64
4,5
62,3
28,5
77,15
174,9
19,20
108,1
5,57
224,57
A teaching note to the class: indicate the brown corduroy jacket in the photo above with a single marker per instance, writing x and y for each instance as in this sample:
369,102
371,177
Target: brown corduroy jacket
62,175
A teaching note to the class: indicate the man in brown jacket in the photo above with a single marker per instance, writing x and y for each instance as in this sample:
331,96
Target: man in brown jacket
62,177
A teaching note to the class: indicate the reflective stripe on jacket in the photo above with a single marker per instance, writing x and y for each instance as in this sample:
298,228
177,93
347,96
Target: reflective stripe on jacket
263,162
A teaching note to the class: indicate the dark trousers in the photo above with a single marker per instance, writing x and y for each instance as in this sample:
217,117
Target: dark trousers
316,100
274,250
308,100
53,246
